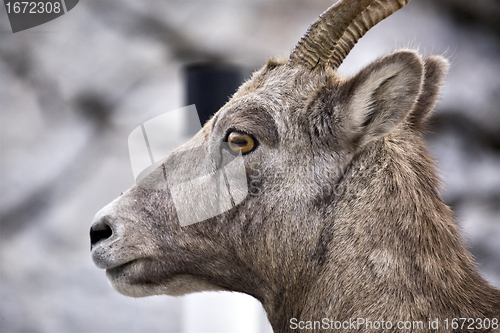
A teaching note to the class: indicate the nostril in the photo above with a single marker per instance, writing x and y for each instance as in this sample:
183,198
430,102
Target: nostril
99,231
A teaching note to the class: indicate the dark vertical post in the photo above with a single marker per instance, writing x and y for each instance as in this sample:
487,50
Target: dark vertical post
209,87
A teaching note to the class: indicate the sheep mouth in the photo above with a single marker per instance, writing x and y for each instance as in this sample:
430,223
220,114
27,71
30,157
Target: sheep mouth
121,269
138,271
136,279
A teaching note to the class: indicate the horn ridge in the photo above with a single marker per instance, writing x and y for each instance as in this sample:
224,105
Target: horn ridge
372,15
319,41
332,36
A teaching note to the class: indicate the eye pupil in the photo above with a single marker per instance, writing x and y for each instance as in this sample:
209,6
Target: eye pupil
240,142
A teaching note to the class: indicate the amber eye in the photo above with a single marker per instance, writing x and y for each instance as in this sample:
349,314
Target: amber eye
240,142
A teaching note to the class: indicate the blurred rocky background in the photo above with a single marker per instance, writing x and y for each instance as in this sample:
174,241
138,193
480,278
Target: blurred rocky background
73,89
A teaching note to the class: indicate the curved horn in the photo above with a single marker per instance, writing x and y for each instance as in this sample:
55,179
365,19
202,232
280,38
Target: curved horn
336,31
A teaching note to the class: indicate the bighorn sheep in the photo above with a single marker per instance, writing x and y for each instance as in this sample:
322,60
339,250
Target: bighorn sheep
347,225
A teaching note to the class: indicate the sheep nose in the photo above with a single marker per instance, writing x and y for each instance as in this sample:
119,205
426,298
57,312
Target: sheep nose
100,230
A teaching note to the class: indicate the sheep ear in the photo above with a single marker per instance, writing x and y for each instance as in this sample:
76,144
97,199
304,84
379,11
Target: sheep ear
380,97
436,68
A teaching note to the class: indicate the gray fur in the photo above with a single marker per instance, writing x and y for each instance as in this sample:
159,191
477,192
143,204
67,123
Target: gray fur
348,221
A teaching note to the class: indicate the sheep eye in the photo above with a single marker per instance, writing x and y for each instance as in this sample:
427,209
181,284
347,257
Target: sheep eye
240,142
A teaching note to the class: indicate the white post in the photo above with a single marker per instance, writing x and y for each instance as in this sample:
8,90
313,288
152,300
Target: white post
222,312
